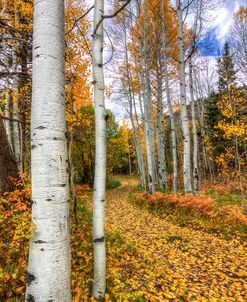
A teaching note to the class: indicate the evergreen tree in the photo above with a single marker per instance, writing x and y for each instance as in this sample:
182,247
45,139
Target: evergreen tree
227,74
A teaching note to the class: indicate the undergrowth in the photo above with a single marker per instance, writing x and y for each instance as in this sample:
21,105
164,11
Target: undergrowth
112,184
219,216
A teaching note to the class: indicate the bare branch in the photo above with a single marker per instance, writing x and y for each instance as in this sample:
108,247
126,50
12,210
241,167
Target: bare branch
78,19
110,16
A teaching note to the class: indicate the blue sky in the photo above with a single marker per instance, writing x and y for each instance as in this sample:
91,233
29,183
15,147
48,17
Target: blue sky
219,28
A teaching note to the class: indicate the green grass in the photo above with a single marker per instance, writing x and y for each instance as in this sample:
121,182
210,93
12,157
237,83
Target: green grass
225,199
112,184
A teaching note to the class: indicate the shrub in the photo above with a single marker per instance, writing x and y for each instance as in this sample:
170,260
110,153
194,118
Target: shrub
113,184
15,227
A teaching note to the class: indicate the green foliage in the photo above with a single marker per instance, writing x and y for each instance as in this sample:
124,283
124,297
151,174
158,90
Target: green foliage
83,148
113,184
227,74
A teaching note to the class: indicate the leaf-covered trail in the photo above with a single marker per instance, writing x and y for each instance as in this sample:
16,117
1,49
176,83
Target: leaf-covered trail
144,266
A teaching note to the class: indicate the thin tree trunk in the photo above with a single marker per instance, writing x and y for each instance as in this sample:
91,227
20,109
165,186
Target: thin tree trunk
170,110
194,130
148,108
140,162
183,105
160,132
7,95
145,114
71,165
8,166
100,156
137,130
48,277
15,96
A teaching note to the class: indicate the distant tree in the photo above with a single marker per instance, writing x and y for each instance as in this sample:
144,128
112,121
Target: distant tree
238,41
8,165
227,74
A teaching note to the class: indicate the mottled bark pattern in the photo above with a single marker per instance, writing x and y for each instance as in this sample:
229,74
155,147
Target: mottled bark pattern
170,110
49,254
100,155
183,104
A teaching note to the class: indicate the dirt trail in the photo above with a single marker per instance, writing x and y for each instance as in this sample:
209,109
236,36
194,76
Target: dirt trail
149,266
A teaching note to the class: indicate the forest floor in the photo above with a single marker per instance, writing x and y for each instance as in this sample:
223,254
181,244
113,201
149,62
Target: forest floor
151,259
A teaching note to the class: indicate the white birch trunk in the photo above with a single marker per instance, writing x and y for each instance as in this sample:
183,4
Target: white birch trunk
139,148
140,86
183,105
194,130
148,108
170,110
145,114
160,133
15,95
100,156
16,128
140,162
7,96
48,277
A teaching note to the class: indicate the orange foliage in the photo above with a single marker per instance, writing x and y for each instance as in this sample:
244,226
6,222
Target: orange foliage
232,214
229,186
15,217
203,204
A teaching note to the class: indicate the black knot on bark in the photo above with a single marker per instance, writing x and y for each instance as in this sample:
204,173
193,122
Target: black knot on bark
30,278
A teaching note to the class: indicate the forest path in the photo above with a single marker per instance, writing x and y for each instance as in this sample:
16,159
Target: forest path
146,264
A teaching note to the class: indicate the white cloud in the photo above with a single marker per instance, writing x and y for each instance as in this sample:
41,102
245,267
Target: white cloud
223,18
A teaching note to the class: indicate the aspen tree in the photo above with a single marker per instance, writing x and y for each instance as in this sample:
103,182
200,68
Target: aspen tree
170,110
183,105
7,96
8,166
140,162
145,80
100,154
194,131
160,130
48,277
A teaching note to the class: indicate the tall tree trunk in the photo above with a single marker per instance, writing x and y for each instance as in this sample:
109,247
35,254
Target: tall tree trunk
170,110
100,155
48,277
148,108
144,109
15,96
160,132
194,130
8,166
183,105
139,155
7,95
137,130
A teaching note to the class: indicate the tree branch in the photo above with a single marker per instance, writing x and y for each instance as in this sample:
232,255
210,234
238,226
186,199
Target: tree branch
78,19
110,16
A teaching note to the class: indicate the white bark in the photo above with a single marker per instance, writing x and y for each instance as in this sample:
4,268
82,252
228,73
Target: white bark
7,96
15,95
139,155
148,109
144,109
183,105
48,277
160,132
100,155
16,128
194,130
170,110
